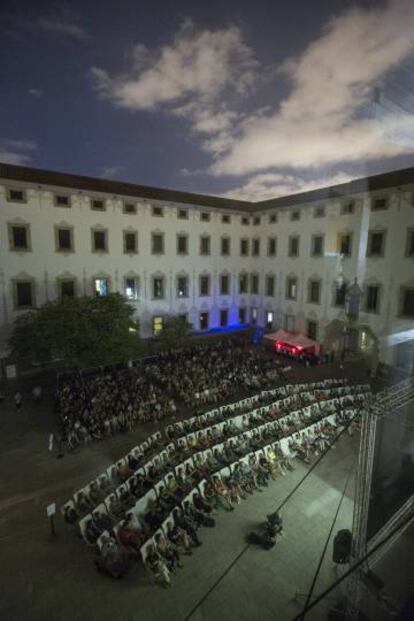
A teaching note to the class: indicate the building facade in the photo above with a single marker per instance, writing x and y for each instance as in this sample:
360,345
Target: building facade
287,262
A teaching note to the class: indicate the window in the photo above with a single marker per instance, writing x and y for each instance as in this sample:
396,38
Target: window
182,287
224,317
67,288
98,204
376,244
101,286
254,284
19,237
203,321
347,208
245,221
99,241
205,245
244,247
62,200
314,292
243,283
129,208
242,315
372,299
205,216
182,244
24,297
225,219
291,288
182,214
204,285
253,316
272,218
409,251
317,245
293,246
319,212
224,284
289,321
271,246
256,221
157,243
340,295
130,242
270,286
295,215
16,196
157,325
131,288
269,320
407,302
64,240
158,212
255,247
225,246
158,287
311,329
379,204
345,244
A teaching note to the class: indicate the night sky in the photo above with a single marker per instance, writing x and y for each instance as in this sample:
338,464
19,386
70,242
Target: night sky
237,98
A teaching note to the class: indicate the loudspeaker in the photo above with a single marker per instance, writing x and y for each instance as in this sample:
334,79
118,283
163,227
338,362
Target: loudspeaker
342,546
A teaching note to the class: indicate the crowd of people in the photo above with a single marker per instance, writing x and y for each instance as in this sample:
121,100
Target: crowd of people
183,485
116,401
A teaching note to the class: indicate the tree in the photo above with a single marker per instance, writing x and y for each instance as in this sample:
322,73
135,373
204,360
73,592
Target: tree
84,331
175,330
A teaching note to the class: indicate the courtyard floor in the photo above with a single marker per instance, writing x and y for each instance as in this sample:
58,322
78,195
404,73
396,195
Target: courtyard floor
44,577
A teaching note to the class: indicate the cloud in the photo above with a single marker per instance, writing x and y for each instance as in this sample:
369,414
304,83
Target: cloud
110,171
17,152
264,186
61,21
328,115
197,66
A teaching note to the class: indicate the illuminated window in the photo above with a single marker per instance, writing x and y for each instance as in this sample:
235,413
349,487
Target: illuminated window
131,288
253,316
269,320
157,325
101,287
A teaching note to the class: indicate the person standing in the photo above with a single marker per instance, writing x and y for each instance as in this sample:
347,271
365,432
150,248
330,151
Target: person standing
18,400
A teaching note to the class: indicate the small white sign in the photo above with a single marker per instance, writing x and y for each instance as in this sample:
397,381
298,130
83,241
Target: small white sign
51,509
11,372
51,442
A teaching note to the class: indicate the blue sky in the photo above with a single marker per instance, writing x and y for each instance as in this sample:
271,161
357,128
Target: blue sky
237,98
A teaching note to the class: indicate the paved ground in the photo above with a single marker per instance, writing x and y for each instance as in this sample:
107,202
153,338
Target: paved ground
43,578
